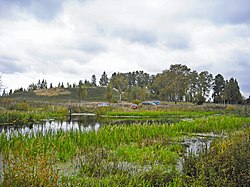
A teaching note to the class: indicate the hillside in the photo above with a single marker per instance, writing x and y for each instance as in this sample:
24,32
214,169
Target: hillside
63,94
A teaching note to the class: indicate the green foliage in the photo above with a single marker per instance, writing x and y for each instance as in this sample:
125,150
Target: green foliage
136,102
103,110
218,88
232,92
130,155
176,84
31,167
104,79
82,93
199,99
226,163
22,106
109,93
23,113
171,84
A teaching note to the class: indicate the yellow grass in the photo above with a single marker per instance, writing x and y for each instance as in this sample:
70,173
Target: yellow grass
52,92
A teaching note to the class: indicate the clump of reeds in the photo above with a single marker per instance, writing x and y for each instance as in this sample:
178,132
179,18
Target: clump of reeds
30,167
226,163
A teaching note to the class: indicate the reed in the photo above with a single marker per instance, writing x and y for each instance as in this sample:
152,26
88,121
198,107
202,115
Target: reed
119,155
226,163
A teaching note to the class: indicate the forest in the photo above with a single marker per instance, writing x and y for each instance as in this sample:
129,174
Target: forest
177,84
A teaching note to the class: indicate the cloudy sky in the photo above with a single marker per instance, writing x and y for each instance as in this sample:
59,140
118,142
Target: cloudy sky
70,40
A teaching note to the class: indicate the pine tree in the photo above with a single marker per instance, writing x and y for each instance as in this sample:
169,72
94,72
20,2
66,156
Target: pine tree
218,89
93,80
104,79
232,92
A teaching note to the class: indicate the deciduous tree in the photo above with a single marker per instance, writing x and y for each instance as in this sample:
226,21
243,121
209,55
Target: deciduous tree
109,91
119,81
205,80
82,92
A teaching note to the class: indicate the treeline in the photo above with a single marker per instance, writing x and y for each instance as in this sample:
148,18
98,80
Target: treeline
177,84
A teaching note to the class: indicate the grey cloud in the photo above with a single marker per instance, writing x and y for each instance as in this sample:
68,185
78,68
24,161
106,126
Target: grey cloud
140,36
222,11
40,9
232,11
173,41
132,35
10,65
91,47
176,41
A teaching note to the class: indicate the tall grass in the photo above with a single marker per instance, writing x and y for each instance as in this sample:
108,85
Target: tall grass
28,115
118,155
214,124
226,163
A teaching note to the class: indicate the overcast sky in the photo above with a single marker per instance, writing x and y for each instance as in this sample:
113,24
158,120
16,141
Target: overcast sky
70,40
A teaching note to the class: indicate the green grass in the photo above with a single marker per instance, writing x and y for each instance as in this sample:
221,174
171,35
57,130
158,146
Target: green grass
161,113
125,155
23,113
226,163
93,94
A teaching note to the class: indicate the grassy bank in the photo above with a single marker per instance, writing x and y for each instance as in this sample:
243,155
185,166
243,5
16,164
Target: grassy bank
19,113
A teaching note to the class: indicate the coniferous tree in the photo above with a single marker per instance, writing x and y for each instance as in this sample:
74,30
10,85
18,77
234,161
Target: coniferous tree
39,84
93,80
104,79
80,83
4,93
232,92
218,89
87,83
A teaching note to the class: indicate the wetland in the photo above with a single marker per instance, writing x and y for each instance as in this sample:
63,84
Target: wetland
123,147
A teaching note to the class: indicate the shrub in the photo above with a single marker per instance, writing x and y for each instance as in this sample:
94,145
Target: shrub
136,102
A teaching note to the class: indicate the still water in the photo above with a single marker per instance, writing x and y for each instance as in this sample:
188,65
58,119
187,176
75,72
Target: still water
77,123
83,124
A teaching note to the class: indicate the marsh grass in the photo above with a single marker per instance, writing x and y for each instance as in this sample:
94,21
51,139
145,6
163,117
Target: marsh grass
162,113
118,155
27,115
30,167
226,163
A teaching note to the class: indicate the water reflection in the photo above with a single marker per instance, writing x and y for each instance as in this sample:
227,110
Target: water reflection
78,124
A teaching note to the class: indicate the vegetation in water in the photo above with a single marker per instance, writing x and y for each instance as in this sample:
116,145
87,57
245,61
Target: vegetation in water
20,113
128,155
226,163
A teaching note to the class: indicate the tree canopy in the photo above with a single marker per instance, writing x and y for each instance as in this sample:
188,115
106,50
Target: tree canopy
177,84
